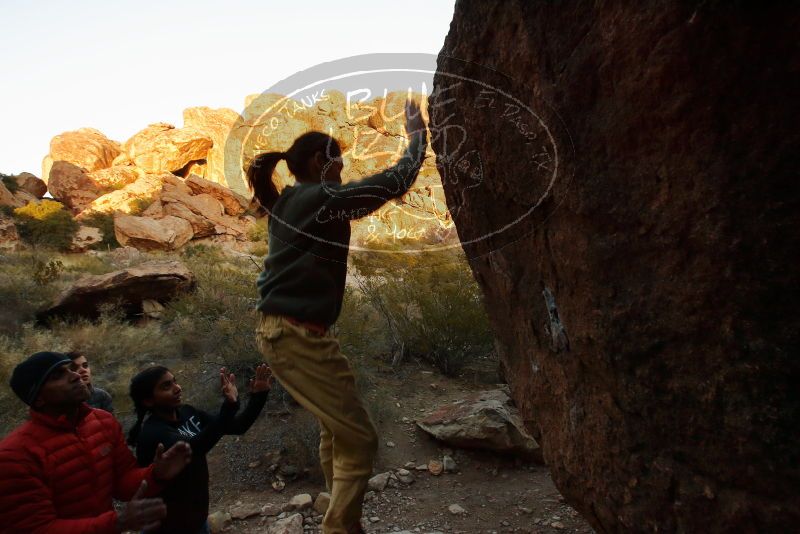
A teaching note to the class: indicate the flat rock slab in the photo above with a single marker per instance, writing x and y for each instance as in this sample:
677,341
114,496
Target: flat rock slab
486,420
158,281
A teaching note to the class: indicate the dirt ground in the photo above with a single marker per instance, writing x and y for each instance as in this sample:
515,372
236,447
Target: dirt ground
499,494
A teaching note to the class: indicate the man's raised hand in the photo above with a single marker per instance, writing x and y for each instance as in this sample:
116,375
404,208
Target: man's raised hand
140,513
167,465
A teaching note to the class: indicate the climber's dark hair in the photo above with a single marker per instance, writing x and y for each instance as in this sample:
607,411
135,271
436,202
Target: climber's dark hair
142,387
259,173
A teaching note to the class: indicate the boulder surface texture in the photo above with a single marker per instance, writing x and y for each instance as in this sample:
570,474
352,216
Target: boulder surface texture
624,182
485,420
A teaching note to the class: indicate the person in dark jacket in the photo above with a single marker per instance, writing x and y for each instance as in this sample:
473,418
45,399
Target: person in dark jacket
98,398
163,418
62,468
302,287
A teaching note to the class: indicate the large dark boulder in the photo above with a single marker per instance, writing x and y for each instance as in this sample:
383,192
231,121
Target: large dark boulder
623,177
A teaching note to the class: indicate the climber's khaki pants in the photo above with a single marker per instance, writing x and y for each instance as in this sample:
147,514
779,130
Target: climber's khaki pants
320,378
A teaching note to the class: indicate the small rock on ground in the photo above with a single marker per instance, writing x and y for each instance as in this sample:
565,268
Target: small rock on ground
217,521
288,525
322,502
243,511
301,502
435,467
379,482
270,509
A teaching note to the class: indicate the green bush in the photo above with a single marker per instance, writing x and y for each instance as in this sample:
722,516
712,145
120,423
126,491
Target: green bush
47,272
362,329
429,307
46,224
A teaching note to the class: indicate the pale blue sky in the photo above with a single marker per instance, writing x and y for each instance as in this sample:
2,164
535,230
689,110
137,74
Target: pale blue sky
118,66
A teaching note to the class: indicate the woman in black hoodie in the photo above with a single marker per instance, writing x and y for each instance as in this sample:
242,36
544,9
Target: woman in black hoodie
162,418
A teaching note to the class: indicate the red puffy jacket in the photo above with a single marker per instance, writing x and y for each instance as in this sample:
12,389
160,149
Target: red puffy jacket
60,477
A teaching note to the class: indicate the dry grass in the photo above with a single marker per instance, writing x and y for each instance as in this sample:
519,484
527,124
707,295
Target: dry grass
213,327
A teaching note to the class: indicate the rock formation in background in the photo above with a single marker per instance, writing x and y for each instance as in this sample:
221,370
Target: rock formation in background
643,161
130,197
86,148
163,148
18,190
422,212
216,125
147,233
28,183
196,173
72,185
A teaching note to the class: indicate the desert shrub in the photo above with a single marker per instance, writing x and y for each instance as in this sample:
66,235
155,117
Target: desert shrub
46,272
361,329
217,321
21,293
138,205
258,249
46,224
300,440
258,231
105,223
430,307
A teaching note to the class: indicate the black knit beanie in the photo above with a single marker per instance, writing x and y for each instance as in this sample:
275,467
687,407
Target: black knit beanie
28,376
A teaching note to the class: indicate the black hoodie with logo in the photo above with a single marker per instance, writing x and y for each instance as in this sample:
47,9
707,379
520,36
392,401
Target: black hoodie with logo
186,496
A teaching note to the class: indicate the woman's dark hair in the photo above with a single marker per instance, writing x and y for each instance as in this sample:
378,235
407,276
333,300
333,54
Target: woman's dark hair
142,387
298,157
74,354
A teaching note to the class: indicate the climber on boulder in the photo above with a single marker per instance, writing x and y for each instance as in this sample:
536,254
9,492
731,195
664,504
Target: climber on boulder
301,289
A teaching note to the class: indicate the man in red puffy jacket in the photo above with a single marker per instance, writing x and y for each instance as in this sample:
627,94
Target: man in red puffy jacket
61,469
